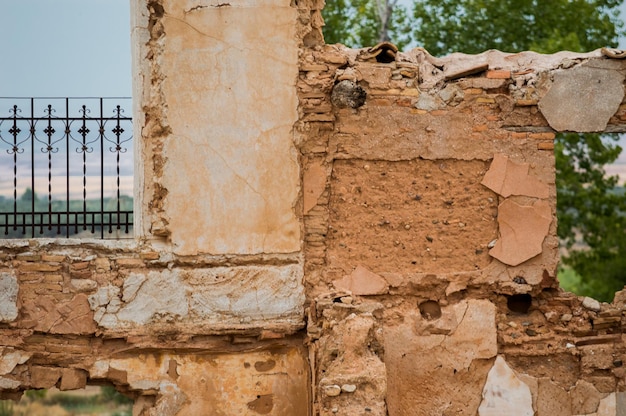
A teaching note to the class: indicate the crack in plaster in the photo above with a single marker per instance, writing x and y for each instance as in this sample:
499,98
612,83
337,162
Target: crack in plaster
229,44
196,8
238,175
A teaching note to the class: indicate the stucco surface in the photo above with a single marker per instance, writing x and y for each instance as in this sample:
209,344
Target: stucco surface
230,166
253,383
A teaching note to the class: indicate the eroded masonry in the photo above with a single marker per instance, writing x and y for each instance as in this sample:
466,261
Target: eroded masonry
326,231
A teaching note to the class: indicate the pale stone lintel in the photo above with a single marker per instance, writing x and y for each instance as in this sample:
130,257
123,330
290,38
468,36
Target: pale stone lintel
213,299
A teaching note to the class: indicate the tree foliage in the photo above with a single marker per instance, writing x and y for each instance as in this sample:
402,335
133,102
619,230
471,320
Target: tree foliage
472,26
360,23
591,209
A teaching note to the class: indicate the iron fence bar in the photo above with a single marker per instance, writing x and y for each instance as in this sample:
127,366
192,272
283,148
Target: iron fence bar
57,216
101,132
14,132
67,164
49,150
118,130
32,158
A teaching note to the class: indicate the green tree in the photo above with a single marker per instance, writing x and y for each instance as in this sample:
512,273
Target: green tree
592,211
547,26
590,208
28,195
360,23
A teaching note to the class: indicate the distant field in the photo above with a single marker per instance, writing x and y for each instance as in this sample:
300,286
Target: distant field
90,401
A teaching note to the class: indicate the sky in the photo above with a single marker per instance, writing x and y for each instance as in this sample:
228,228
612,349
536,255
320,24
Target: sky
70,48
73,48
65,48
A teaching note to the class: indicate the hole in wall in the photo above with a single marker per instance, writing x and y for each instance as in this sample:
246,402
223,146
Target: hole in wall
430,310
387,53
519,303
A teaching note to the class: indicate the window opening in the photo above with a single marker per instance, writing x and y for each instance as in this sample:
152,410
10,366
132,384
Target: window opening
65,167
91,400
66,164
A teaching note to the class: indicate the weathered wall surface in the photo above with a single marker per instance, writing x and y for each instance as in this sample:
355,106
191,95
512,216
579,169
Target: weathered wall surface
202,313
327,231
430,233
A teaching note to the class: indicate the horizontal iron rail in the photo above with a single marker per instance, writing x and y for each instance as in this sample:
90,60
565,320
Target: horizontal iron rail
44,221
55,139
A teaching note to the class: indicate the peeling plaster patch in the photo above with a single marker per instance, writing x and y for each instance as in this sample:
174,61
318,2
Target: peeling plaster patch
608,406
507,178
453,351
313,184
477,327
362,282
522,231
171,399
585,398
8,297
505,393
552,399
583,99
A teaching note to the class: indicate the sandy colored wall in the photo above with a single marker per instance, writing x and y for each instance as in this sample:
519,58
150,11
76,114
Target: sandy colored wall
430,229
327,231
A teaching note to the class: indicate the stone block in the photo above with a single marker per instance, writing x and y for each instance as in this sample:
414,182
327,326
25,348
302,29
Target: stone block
72,379
8,297
583,99
211,298
44,377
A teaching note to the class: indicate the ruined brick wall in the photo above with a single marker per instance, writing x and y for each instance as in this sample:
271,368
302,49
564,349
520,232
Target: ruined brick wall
327,231
430,233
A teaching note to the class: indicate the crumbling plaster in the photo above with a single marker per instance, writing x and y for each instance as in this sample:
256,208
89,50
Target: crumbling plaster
327,231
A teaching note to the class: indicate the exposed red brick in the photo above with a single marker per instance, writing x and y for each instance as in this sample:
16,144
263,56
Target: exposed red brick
542,136
498,74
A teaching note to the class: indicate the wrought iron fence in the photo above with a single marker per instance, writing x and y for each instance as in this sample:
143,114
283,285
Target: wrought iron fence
66,167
